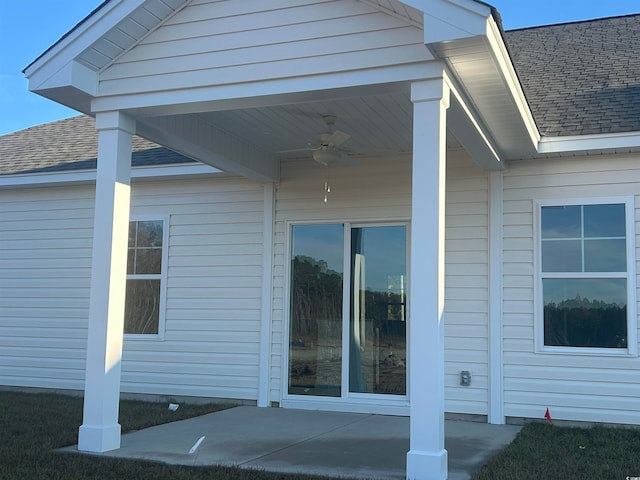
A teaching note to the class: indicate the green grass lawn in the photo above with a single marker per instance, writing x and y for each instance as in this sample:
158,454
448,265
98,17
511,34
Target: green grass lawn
547,452
33,425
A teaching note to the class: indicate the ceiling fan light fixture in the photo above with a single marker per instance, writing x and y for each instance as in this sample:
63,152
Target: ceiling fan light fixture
326,157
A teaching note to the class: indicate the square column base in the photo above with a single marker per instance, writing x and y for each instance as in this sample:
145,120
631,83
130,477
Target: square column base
99,438
427,465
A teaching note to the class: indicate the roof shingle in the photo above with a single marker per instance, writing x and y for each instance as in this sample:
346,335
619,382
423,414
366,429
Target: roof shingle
581,78
70,145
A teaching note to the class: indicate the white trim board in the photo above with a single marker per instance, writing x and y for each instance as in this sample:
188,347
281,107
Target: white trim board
578,143
89,176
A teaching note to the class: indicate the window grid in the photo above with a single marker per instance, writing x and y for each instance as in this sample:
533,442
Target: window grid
595,273
156,301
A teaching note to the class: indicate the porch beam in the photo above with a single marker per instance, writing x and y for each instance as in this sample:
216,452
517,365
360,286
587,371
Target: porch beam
427,457
100,431
211,98
467,127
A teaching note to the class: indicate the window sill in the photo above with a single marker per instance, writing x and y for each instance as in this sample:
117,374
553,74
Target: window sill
145,337
587,351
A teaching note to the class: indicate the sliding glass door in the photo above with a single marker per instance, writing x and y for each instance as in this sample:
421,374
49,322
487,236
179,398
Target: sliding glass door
351,350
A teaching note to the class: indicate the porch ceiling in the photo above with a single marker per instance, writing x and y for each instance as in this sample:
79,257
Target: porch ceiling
379,125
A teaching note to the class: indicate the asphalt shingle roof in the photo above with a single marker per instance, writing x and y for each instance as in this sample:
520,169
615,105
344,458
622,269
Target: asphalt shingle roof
581,78
70,145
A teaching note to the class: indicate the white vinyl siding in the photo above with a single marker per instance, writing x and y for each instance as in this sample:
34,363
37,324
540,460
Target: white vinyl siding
212,324
211,343
212,329
466,285
45,265
379,190
573,387
207,44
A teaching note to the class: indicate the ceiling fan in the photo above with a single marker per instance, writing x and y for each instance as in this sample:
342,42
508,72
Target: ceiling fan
326,148
327,151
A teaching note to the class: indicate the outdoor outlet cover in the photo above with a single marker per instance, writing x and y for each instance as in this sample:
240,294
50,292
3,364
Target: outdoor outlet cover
465,378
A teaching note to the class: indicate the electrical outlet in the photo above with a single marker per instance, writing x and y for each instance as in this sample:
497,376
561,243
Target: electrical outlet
465,378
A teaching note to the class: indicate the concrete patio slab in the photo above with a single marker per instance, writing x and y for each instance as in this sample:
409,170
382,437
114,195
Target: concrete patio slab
333,444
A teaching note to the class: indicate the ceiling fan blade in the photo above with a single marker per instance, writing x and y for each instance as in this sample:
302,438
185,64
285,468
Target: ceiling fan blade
297,150
338,138
346,159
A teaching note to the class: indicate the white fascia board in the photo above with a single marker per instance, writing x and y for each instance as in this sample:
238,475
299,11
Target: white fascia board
57,59
510,77
89,176
583,143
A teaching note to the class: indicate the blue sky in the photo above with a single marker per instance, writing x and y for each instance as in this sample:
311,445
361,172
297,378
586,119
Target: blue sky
28,27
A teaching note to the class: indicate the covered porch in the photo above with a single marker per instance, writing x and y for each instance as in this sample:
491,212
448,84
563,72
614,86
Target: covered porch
403,83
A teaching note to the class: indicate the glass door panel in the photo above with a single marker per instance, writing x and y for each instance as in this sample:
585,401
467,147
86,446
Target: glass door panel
377,329
315,335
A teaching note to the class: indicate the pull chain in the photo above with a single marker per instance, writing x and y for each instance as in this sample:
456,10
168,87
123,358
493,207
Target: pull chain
327,186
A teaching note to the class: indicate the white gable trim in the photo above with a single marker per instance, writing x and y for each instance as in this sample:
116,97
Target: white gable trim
447,20
501,56
393,13
69,47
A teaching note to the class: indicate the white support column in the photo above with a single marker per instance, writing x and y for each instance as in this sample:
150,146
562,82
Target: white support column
427,457
100,430
267,292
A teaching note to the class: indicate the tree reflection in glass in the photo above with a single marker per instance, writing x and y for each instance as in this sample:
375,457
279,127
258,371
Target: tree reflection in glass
315,351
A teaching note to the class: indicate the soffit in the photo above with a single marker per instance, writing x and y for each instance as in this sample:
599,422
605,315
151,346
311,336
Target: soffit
128,32
486,89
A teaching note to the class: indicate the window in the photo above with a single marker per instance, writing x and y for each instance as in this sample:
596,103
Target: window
144,278
586,275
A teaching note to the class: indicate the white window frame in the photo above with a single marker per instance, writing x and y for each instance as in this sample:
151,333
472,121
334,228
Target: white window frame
632,321
348,401
162,276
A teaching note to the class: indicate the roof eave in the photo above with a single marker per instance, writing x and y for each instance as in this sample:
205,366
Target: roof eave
63,68
477,56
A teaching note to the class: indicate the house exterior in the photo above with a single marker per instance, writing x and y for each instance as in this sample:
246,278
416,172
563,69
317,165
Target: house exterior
357,205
